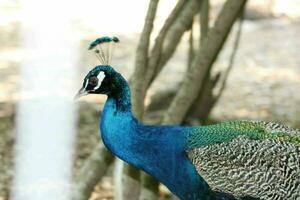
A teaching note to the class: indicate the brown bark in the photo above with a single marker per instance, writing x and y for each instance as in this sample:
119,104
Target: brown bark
204,19
159,41
94,168
149,187
201,66
200,109
204,103
131,182
182,24
141,61
232,57
191,50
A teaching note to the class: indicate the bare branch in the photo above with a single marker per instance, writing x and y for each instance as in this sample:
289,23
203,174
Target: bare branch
131,182
205,101
157,48
191,50
141,61
232,57
204,19
201,66
182,23
92,171
150,187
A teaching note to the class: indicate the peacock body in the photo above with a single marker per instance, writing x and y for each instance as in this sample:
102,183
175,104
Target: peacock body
230,160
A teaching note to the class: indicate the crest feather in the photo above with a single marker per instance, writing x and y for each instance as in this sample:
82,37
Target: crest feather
103,48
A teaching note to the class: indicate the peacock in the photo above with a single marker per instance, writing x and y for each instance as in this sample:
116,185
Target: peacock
229,160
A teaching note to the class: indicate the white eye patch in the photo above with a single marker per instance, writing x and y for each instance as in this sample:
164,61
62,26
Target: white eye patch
100,77
86,83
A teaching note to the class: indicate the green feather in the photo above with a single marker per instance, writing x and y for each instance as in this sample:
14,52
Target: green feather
244,158
256,130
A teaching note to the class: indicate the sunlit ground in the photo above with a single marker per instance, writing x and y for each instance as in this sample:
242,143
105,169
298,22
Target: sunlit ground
264,84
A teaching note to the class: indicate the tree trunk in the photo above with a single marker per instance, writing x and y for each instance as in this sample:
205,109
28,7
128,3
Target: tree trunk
149,187
201,66
204,19
94,168
160,39
206,100
182,24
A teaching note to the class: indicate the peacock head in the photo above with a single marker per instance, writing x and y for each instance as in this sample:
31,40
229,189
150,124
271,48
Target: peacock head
103,79
100,80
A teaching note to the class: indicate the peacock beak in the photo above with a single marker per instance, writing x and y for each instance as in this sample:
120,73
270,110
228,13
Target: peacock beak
80,93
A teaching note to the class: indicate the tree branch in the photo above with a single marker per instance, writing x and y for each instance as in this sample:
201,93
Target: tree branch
159,41
141,61
94,168
201,66
204,19
182,23
204,101
191,50
201,108
149,187
232,56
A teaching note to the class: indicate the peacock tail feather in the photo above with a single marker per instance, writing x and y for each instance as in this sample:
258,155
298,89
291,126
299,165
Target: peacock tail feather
257,159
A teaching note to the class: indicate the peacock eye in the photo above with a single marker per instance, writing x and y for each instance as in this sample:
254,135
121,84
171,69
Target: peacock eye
93,81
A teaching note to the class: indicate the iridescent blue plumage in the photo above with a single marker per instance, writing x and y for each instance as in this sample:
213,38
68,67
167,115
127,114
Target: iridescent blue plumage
158,150
238,158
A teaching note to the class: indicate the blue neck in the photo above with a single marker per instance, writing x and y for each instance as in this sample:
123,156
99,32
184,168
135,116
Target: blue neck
121,94
158,150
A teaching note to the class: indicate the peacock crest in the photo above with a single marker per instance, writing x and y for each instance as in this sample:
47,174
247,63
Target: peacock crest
103,48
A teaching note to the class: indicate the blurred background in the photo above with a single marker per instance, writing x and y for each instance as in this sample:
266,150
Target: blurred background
264,83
